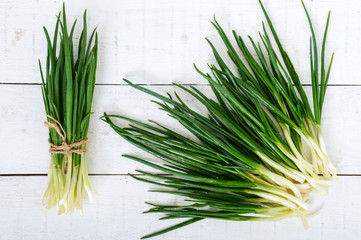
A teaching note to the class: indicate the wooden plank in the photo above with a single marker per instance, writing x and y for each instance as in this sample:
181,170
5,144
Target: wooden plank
116,214
157,41
23,138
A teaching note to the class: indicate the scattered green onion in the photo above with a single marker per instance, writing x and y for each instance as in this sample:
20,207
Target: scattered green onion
67,88
259,152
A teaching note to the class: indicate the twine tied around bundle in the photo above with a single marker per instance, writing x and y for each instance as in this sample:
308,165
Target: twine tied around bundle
64,148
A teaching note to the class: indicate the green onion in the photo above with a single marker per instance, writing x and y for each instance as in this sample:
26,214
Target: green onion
259,151
67,87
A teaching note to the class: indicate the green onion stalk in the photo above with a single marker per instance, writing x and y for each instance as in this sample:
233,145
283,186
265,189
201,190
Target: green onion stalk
67,88
259,151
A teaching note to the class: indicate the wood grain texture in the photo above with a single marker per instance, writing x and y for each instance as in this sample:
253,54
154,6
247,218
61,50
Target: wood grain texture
25,136
116,214
157,41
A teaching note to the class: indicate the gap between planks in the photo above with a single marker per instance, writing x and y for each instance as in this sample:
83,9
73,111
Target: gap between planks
170,84
135,174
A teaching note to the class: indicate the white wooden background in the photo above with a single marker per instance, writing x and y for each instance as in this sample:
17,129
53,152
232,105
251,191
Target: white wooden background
155,43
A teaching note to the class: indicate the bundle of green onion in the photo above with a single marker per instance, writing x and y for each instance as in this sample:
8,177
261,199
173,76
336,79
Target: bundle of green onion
259,152
68,87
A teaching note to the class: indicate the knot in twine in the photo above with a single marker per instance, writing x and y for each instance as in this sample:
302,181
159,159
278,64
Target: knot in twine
64,148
